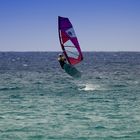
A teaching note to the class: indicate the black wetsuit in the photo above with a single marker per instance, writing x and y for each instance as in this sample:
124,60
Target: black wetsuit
62,62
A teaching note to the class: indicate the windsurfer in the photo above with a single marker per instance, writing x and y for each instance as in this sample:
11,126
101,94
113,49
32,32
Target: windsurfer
62,60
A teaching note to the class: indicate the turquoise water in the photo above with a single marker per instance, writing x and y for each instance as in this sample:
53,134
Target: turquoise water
39,101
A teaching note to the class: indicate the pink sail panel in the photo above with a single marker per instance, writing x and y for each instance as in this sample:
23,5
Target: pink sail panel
69,41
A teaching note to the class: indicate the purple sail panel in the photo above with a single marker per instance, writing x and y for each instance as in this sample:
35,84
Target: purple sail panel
69,41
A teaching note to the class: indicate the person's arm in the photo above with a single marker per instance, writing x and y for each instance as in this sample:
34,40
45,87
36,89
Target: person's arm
64,58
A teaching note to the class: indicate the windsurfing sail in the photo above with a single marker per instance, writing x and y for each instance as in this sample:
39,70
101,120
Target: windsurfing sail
69,41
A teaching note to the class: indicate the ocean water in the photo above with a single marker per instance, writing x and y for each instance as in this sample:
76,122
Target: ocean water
39,101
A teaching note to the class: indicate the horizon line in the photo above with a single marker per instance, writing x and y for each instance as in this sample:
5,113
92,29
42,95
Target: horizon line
61,51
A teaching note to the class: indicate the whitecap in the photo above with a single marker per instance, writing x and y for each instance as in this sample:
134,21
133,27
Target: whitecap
25,65
89,87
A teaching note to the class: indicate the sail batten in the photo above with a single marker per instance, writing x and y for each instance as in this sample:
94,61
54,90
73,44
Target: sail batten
69,41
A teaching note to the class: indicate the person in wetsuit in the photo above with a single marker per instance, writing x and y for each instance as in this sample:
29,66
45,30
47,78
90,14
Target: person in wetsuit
62,60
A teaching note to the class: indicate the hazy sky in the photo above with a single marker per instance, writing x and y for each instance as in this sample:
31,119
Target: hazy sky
101,25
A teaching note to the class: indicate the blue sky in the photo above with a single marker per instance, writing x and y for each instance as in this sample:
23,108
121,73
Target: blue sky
101,25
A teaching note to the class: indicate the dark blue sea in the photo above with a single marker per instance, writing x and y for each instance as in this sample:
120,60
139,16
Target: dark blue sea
40,101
